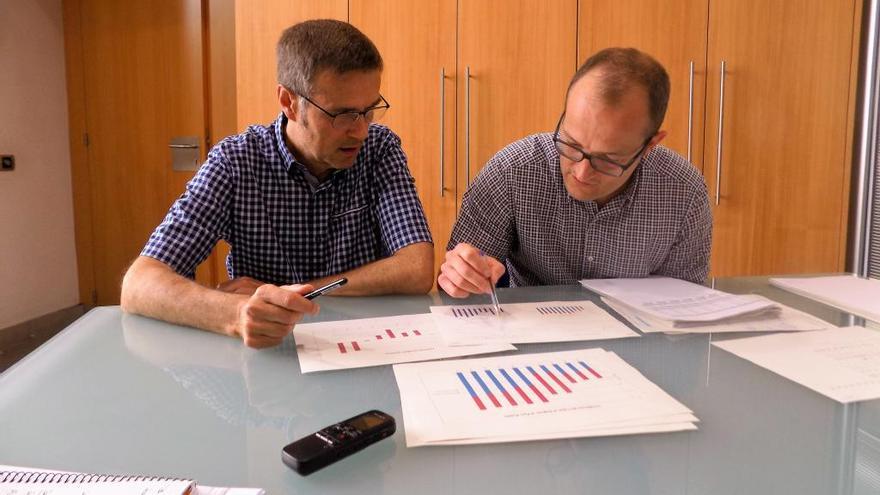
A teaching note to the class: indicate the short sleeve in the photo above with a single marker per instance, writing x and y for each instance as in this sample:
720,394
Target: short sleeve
401,217
197,219
486,218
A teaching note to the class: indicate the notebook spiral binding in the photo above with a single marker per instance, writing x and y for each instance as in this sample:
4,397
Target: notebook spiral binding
63,478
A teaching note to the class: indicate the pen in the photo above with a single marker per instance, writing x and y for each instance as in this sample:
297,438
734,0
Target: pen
495,303
320,291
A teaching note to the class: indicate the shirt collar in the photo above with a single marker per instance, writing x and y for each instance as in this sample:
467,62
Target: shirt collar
291,164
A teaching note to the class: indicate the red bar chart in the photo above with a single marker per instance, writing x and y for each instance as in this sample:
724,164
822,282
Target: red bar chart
355,346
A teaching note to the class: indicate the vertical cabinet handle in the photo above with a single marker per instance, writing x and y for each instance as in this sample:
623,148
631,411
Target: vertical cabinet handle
690,108
467,126
720,135
442,125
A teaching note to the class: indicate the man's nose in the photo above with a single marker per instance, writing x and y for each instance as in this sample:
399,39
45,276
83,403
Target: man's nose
360,128
583,169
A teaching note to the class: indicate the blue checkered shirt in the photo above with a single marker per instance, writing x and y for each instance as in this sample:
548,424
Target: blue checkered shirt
518,210
252,193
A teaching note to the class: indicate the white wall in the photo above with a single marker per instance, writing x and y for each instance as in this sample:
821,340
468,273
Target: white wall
37,253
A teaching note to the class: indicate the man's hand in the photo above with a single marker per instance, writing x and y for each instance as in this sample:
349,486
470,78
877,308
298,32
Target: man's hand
240,285
271,312
466,272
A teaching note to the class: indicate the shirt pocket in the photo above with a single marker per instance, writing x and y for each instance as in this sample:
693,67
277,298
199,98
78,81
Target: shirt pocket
348,212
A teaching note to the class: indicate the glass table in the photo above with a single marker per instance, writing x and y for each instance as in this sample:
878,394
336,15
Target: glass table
116,393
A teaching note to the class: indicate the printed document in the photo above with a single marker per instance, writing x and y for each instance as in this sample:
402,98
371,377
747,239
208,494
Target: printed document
787,320
582,393
366,342
521,323
841,363
678,301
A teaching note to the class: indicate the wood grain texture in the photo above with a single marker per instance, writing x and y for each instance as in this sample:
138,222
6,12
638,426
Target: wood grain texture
417,41
785,134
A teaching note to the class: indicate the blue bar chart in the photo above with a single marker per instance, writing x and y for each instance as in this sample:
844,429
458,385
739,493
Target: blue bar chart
532,384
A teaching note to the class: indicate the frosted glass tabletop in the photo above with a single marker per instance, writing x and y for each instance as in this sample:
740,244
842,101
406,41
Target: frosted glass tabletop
116,393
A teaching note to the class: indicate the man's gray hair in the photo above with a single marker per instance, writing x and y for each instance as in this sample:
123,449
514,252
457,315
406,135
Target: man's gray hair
307,48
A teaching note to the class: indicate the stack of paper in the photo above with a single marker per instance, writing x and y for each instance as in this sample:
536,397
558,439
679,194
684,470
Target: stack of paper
855,295
843,363
787,320
679,302
523,323
569,394
661,304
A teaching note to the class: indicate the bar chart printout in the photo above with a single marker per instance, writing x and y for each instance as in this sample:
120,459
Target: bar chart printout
549,321
377,341
534,396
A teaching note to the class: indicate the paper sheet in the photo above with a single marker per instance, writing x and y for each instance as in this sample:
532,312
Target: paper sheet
677,300
787,320
137,485
530,397
847,292
841,363
377,341
521,323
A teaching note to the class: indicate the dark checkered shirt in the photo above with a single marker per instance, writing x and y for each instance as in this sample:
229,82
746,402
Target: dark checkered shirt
518,210
252,193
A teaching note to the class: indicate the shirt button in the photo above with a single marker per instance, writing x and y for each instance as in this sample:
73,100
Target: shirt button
589,258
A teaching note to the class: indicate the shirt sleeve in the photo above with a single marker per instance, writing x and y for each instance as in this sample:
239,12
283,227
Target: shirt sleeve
689,257
401,218
196,220
486,219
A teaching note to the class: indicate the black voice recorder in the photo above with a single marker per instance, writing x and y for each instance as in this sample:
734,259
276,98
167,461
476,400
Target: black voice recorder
328,445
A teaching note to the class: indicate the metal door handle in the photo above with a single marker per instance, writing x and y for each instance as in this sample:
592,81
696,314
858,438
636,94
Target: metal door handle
720,135
467,126
185,151
690,108
442,124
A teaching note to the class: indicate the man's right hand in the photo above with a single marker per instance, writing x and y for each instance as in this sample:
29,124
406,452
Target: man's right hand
267,316
466,272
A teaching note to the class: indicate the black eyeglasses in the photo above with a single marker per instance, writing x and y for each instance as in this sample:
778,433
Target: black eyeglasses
600,163
347,119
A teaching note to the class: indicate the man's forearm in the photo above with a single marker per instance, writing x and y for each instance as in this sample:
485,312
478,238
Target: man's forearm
408,271
153,289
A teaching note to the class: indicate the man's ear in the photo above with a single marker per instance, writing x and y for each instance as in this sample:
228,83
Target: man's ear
288,101
656,139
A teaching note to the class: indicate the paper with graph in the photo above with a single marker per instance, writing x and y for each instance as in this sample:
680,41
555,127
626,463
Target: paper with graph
841,363
588,392
522,323
376,341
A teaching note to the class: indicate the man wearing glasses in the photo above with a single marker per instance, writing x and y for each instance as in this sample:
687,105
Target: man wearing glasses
596,198
319,194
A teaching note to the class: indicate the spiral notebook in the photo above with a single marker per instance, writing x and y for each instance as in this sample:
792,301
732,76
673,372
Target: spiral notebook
29,481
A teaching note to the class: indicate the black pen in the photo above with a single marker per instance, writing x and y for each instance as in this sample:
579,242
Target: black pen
327,288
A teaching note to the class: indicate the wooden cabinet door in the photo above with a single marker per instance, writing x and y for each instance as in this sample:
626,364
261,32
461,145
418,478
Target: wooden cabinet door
258,27
139,69
672,32
782,187
417,43
519,57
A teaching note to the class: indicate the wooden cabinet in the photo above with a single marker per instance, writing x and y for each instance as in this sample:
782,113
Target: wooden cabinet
785,136
783,188
465,79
